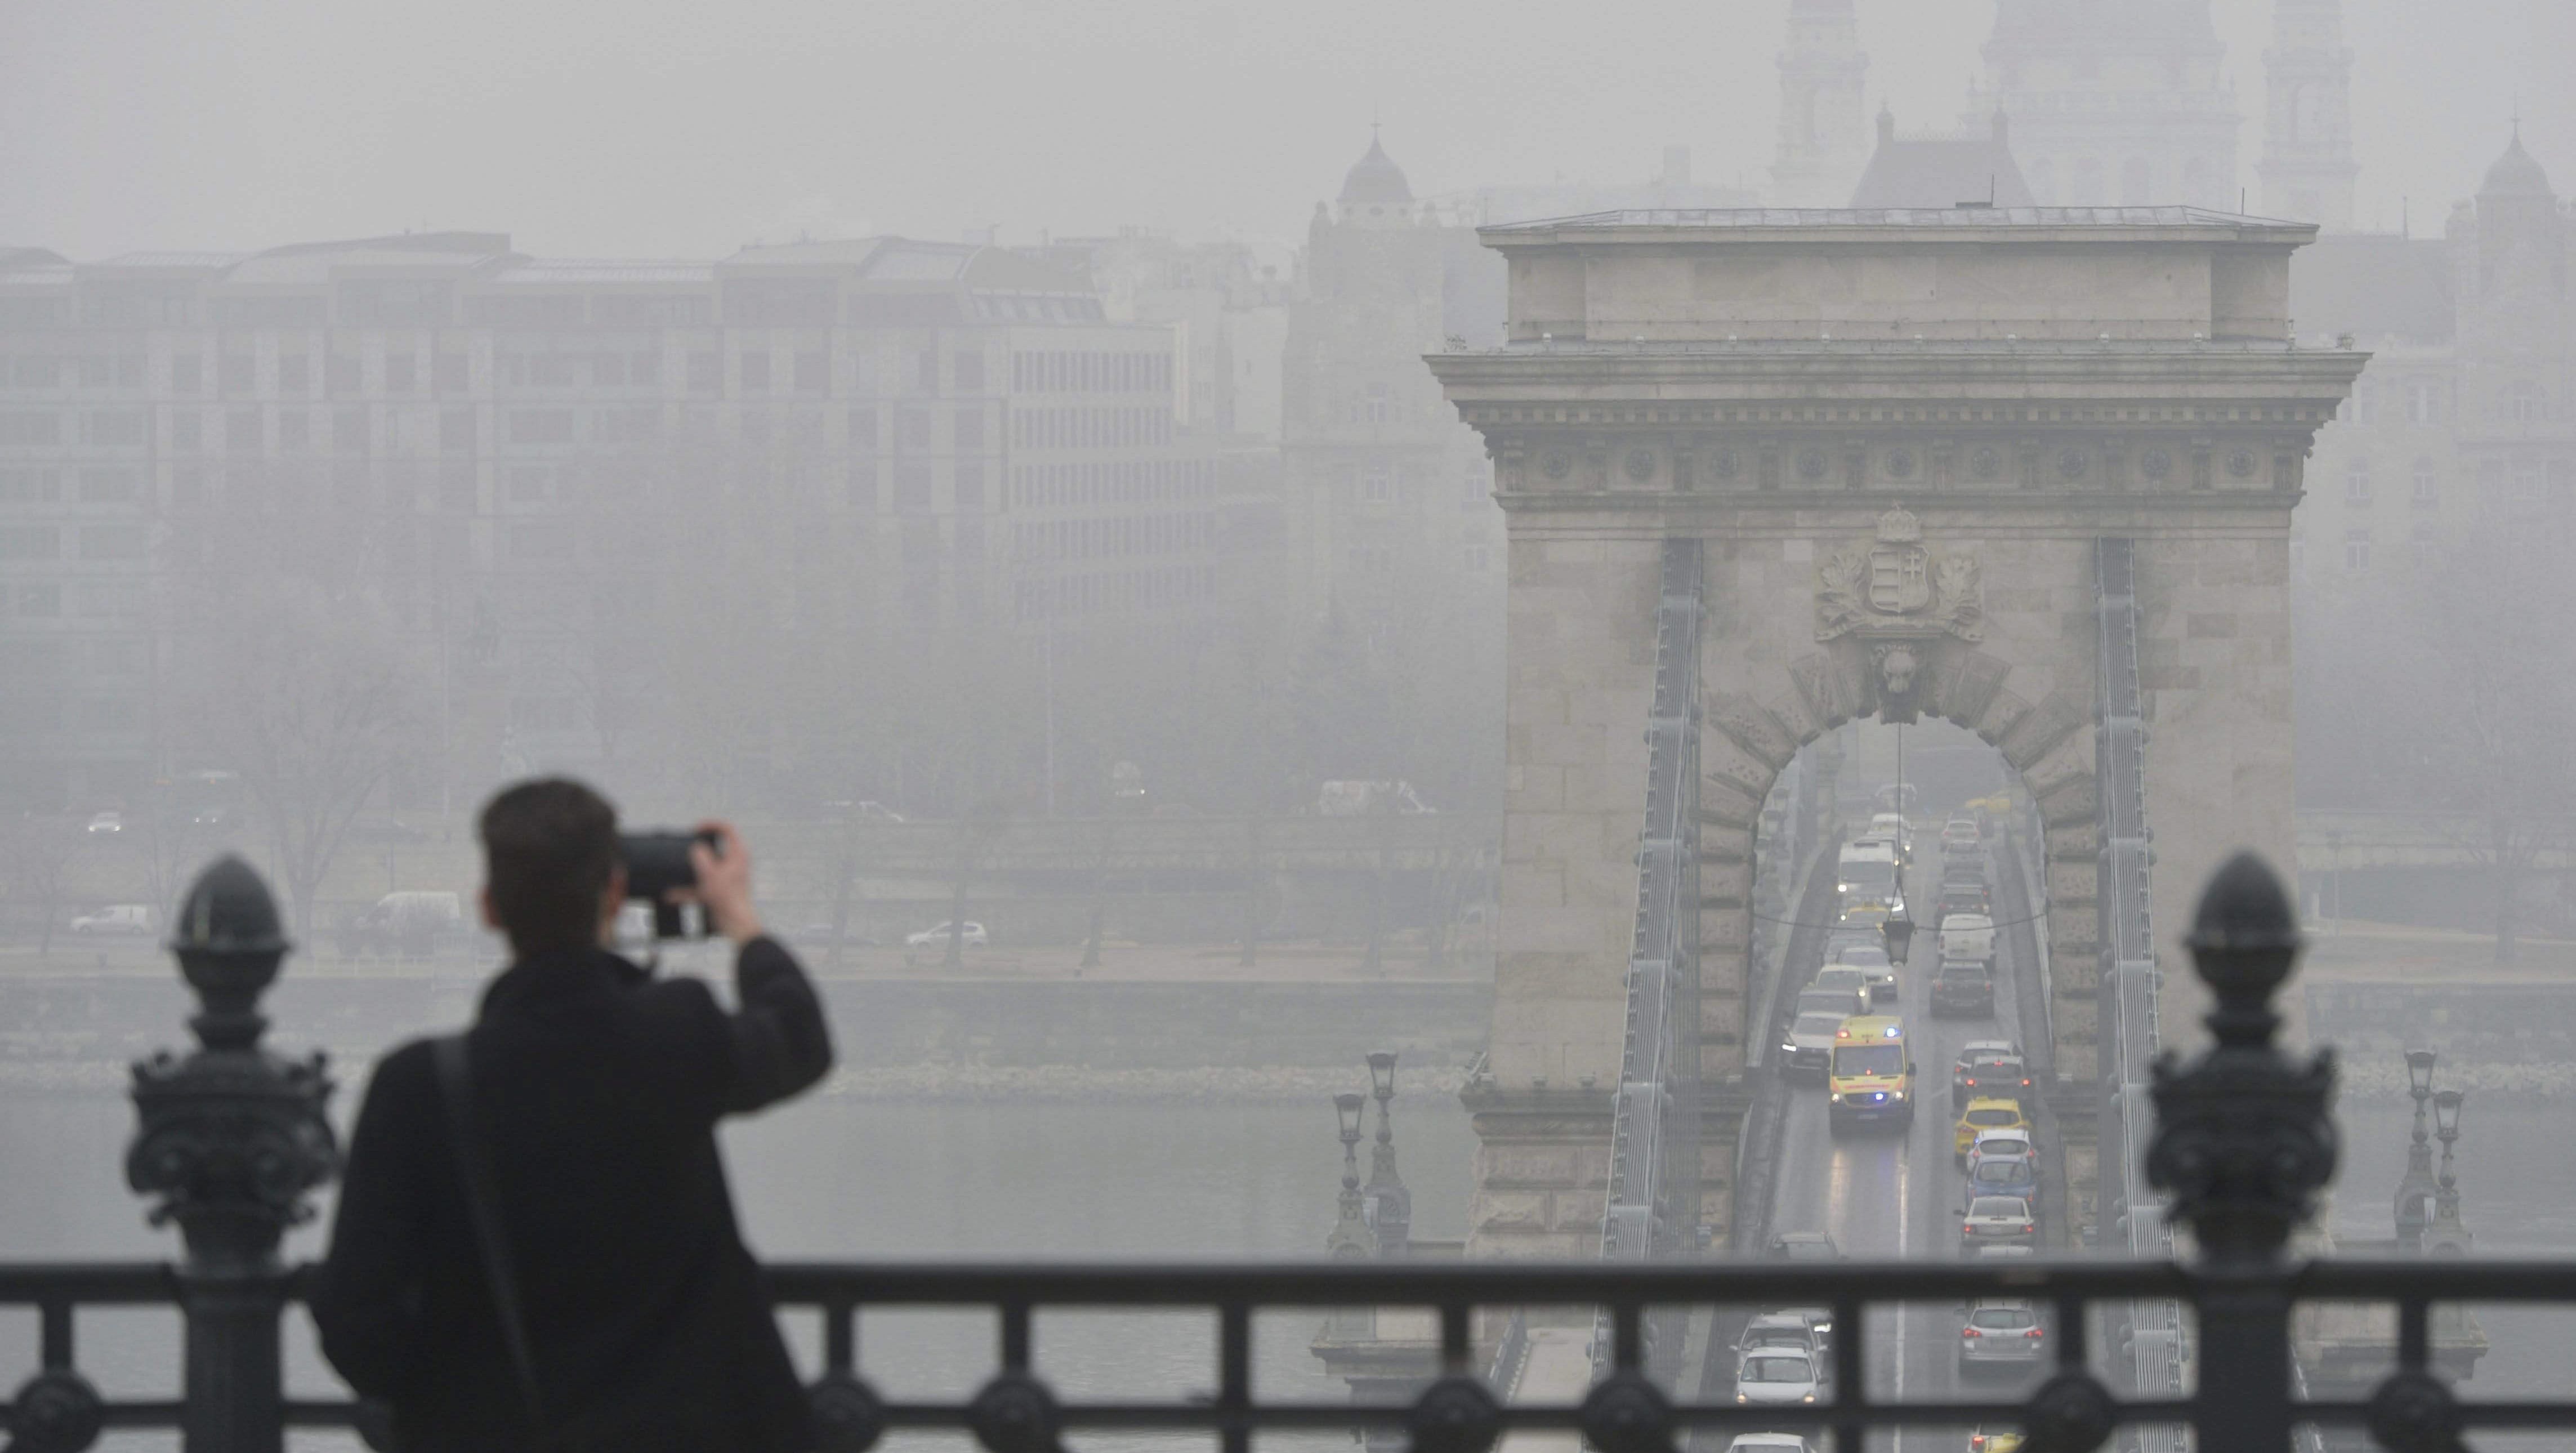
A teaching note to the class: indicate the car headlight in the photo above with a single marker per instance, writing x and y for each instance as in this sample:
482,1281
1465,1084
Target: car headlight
1739,1397
1811,1397
1896,1095
1788,1046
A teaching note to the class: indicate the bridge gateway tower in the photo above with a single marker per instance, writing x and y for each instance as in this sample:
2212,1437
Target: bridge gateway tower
1898,438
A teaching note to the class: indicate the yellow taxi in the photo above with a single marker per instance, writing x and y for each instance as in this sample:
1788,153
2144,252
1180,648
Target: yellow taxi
1981,1115
1982,1441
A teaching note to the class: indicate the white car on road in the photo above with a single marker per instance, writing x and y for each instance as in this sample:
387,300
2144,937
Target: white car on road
115,918
973,937
1777,1377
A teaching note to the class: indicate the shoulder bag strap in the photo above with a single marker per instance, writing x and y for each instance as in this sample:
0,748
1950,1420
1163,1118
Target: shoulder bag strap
483,1202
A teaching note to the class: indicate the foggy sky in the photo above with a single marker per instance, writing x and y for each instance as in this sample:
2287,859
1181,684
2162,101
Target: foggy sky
678,127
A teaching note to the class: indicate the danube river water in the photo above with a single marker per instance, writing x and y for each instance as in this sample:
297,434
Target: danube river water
840,1178
844,1179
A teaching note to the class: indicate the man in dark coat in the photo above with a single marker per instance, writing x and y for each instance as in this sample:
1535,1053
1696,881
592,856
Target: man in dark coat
595,1091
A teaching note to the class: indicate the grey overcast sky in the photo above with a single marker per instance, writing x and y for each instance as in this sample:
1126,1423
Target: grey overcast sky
680,127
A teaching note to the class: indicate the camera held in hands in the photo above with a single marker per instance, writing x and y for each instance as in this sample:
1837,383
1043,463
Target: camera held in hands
657,865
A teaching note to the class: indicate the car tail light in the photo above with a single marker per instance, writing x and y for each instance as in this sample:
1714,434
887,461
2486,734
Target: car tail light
2033,1334
1970,1332
1977,1443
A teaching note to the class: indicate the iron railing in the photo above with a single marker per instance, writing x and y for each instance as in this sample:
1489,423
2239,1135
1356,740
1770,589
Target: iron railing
231,1139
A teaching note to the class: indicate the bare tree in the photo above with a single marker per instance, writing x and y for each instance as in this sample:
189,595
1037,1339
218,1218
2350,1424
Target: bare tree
36,852
309,698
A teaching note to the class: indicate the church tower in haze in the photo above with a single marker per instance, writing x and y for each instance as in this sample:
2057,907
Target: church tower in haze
2307,168
2113,105
1824,130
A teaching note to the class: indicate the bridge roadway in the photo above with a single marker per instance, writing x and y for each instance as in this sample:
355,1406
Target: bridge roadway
1882,1194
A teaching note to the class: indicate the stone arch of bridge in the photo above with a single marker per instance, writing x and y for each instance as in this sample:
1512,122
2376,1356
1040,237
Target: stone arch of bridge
1776,681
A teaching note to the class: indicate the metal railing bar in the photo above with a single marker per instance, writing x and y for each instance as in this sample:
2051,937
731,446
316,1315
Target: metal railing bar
840,1335
1466,1285
99,1283
1201,1416
309,1413
2414,1333
2070,1333
55,1340
2452,1279
1234,1375
1015,1333
1627,1336
144,1413
1456,1341
2502,1413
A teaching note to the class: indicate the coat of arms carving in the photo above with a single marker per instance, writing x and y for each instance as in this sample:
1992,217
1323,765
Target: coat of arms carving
1894,585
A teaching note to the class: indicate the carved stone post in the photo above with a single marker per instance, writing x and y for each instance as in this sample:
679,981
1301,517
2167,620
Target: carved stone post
2243,1143
230,1139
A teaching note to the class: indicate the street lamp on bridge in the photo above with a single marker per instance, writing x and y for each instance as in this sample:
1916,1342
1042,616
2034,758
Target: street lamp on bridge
2445,1235
1390,1204
2416,1187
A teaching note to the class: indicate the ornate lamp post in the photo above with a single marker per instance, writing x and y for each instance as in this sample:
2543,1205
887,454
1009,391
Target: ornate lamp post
1392,1202
230,1138
2416,1187
2446,1235
1351,1235
2243,1143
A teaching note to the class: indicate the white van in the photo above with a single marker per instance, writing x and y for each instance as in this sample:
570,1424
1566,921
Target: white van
1968,936
1891,826
1868,877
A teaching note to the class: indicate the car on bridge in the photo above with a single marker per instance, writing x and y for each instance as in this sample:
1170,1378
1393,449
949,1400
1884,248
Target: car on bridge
1780,1329
1990,1071
1891,826
1869,955
1963,986
2000,1334
1997,1221
1778,1377
1961,835
1843,976
1983,1114
2003,1175
2004,1143
1974,1051
1843,1001
1964,898
1871,1077
1981,1441
1968,936
1770,1443
1810,1045
1803,1246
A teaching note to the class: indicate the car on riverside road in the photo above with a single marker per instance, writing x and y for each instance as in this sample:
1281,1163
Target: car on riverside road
1810,1045
2004,1175
1974,1051
1871,960
973,937
1803,1246
1999,1073
1963,987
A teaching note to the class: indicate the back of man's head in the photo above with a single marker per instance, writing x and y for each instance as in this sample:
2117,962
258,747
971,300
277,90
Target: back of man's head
549,850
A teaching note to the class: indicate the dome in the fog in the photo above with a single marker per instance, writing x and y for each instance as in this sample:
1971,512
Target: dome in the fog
1376,181
2515,174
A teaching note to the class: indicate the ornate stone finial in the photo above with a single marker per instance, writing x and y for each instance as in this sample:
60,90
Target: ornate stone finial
1899,527
2243,1140
231,1137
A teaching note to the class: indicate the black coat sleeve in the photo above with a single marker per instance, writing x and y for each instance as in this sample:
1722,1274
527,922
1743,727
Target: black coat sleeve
776,1043
368,1297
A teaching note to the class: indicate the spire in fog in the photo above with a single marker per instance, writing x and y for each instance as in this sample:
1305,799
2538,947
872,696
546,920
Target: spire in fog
1824,138
2307,167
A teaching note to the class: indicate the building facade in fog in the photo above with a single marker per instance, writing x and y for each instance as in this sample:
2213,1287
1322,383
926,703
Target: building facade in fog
2461,434
518,457
1389,497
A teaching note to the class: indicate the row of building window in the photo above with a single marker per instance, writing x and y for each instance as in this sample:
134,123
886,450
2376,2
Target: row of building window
124,597
1082,371
807,371
89,542
411,304
1091,428
1119,481
1108,591
1114,537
